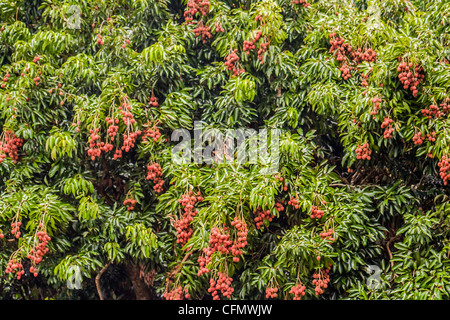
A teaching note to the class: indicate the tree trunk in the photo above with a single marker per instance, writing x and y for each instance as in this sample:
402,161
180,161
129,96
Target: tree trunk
141,290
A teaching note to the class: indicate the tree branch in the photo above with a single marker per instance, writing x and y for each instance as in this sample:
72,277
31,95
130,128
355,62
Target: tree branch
97,281
389,250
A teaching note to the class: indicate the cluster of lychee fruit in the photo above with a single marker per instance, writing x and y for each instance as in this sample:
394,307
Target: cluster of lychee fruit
298,291
155,173
363,151
241,241
153,133
220,241
177,294
14,266
345,71
203,261
182,226
130,203
339,47
129,140
328,235
94,146
316,213
262,49
37,253
15,226
113,128
321,280
376,101
410,75
127,116
445,106
203,31
271,292
100,39
388,127
250,44
5,79
117,154
302,2
195,6
293,202
36,80
419,137
222,284
261,215
10,146
279,206
218,27
444,169
345,54
434,111
153,102
230,63
368,55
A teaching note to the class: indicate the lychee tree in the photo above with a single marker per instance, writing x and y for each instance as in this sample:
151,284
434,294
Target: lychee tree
93,206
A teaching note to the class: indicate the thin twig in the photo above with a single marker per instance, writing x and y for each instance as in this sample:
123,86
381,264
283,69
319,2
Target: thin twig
177,269
338,185
355,176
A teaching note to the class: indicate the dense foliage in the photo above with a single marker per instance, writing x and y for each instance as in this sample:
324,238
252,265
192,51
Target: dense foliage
92,205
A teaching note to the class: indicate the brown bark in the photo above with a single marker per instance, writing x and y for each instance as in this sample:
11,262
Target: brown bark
97,281
141,290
